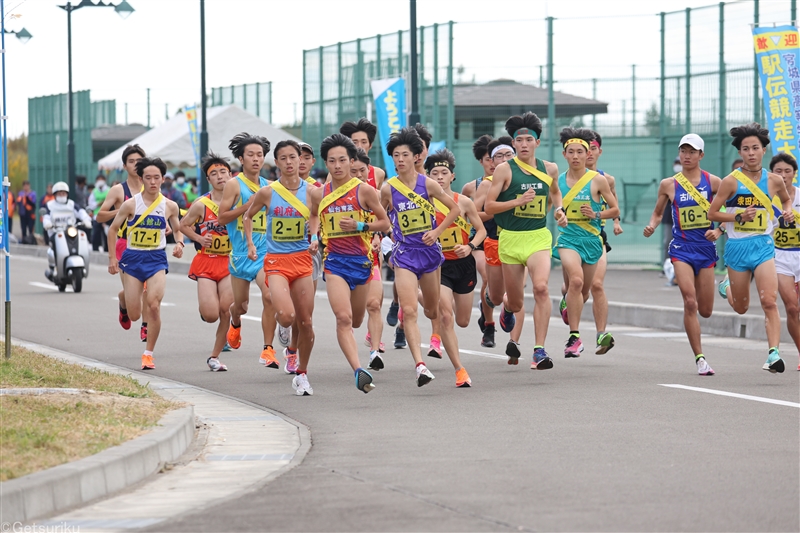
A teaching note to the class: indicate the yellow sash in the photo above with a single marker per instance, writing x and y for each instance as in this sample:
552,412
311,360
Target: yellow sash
534,171
121,231
287,195
753,188
338,193
692,190
147,212
578,187
250,185
401,187
460,221
209,203
311,181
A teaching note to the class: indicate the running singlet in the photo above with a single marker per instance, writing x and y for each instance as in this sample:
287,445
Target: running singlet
208,225
149,233
335,239
787,236
371,177
491,224
410,221
761,224
287,231
235,227
531,216
689,220
452,236
126,195
579,225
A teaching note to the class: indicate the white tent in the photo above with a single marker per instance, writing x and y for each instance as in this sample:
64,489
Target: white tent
171,141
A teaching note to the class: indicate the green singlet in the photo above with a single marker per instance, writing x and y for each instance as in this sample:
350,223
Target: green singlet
530,216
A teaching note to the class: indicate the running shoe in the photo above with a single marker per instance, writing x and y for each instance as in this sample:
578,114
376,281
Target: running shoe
774,363
424,376
462,378
364,381
435,350
147,362
284,335
722,288
400,338
215,365
513,353
268,357
226,348
488,336
391,316
507,320
487,300
605,341
143,333
482,320
541,361
702,367
124,320
290,358
574,347
301,385
368,342
234,336
562,307
375,360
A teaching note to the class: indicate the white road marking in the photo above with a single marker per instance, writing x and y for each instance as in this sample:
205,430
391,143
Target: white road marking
733,395
473,352
656,335
47,286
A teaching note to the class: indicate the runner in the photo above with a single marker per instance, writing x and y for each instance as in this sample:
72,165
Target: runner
306,164
362,133
605,340
787,248
459,271
749,221
292,206
416,255
116,196
518,200
470,190
348,265
145,260
579,246
210,264
250,151
692,250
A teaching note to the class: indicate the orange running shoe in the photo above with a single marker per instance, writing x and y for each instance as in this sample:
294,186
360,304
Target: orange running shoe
234,336
268,358
462,378
148,363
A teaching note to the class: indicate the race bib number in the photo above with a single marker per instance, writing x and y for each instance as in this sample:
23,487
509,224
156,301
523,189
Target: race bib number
414,221
333,226
533,209
144,238
259,223
220,245
694,217
574,211
757,225
787,238
288,229
450,238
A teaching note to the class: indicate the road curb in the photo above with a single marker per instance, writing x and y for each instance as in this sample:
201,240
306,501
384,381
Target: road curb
100,475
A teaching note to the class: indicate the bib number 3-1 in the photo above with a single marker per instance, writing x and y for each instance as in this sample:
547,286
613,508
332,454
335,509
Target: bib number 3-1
414,221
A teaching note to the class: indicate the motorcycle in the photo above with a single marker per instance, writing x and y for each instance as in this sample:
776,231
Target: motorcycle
68,257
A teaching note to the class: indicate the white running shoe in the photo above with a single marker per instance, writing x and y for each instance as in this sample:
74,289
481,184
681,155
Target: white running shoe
301,385
703,369
375,360
215,365
424,376
284,335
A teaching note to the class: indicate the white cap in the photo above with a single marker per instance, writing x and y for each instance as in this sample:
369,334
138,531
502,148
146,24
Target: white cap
693,140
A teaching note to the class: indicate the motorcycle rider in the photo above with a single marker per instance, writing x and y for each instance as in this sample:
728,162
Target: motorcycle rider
61,213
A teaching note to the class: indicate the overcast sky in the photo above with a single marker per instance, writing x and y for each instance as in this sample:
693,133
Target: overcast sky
158,46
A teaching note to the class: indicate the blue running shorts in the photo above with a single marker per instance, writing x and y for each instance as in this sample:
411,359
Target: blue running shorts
143,264
244,268
746,254
354,269
698,256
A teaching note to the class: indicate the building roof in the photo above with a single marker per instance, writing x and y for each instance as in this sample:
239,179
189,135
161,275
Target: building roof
118,133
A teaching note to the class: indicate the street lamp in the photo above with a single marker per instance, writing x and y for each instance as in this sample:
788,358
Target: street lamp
124,10
23,34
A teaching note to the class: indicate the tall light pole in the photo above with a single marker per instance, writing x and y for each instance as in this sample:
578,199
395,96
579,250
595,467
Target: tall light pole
124,10
414,116
202,185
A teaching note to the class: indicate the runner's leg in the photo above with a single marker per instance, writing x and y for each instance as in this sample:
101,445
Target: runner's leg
786,286
767,286
374,321
268,320
302,294
539,268
339,295
688,283
599,299
739,290
446,319
155,292
406,284
133,288
225,298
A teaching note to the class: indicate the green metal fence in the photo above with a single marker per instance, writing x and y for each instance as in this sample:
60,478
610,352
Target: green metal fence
253,97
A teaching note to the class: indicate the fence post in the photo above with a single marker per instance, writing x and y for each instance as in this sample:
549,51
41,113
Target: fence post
269,107
793,12
421,76
633,98
756,99
400,72
436,118
551,104
688,70
594,97
339,82
321,100
723,92
662,126
378,59
303,128
451,105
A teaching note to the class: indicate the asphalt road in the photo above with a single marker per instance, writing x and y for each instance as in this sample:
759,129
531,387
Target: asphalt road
596,444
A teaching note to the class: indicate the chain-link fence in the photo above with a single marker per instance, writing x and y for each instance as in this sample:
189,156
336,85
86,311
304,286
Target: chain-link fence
253,97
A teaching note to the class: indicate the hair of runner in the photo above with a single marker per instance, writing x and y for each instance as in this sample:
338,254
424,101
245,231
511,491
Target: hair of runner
287,143
479,147
242,140
145,162
783,157
363,157
754,129
132,149
576,133
338,139
441,156
424,134
350,127
528,120
405,137
213,159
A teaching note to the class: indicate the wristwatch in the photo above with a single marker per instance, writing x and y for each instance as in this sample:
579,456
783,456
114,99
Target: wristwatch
738,218
472,246
597,215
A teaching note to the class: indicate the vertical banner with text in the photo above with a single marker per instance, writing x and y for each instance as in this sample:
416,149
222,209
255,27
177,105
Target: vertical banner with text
778,57
390,113
191,120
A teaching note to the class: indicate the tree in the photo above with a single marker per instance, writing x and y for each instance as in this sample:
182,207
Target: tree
18,161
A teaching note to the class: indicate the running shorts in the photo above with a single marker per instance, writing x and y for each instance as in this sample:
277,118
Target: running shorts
208,266
788,263
120,247
316,262
242,267
418,259
460,275
746,254
490,251
354,269
698,256
604,236
516,247
143,264
589,248
289,266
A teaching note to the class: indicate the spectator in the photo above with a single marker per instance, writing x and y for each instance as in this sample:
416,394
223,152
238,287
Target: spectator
81,193
10,202
26,206
736,164
169,190
48,195
96,199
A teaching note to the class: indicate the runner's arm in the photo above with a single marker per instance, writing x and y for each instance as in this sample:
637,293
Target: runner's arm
470,212
468,189
380,177
314,197
776,184
661,204
480,199
435,191
189,220
500,182
174,222
556,200
114,198
230,195
257,202
125,212
726,190
610,198
369,198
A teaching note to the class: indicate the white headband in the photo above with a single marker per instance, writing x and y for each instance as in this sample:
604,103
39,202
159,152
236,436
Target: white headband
500,147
